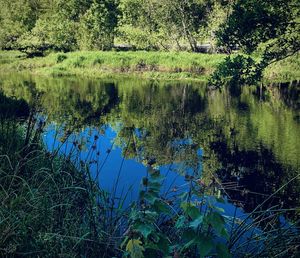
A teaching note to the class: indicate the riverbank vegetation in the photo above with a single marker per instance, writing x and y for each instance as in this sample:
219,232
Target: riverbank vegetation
39,26
161,65
144,64
269,29
257,33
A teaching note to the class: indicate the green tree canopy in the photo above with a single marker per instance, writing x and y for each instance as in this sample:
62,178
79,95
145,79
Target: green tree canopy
97,25
37,26
269,28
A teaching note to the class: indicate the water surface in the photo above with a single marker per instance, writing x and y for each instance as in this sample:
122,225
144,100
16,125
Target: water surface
245,140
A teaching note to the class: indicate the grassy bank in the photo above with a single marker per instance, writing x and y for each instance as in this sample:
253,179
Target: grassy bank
149,65
284,70
159,65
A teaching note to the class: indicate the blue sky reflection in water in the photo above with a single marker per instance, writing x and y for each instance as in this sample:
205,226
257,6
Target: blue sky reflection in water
119,175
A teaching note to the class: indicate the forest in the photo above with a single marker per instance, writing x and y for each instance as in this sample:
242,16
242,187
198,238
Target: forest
101,24
158,25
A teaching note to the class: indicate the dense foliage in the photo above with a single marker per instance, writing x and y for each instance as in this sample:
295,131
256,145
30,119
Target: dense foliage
269,30
37,26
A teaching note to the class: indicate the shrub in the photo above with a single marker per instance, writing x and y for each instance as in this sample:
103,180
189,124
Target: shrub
60,58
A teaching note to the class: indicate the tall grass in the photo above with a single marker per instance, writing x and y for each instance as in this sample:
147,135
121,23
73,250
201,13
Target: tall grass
145,64
49,206
284,70
10,56
165,65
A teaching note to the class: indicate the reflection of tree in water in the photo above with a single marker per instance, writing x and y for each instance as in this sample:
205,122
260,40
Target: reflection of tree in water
287,93
91,113
251,176
75,102
81,107
290,94
164,118
13,108
170,123
12,111
162,121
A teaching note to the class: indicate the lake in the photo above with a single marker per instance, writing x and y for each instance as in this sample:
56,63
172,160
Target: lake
245,142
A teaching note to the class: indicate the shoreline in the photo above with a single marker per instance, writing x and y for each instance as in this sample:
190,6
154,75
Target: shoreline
169,66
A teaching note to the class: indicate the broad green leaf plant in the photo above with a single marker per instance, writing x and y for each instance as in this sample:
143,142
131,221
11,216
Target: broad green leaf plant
189,225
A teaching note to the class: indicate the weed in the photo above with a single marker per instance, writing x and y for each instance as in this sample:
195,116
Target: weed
60,58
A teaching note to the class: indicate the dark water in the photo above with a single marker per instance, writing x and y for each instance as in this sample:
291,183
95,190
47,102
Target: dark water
246,141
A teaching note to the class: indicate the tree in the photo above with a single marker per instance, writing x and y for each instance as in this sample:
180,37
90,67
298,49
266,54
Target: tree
17,18
50,33
97,26
273,26
164,24
190,16
253,22
137,25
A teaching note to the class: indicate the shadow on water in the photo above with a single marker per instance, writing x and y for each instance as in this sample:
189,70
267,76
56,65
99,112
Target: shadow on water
247,138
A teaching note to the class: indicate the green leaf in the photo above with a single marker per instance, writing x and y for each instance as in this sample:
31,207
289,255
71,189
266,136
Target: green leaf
216,220
205,245
189,234
150,197
190,237
134,248
144,229
133,214
223,251
189,244
157,179
154,186
190,210
180,222
159,205
197,222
